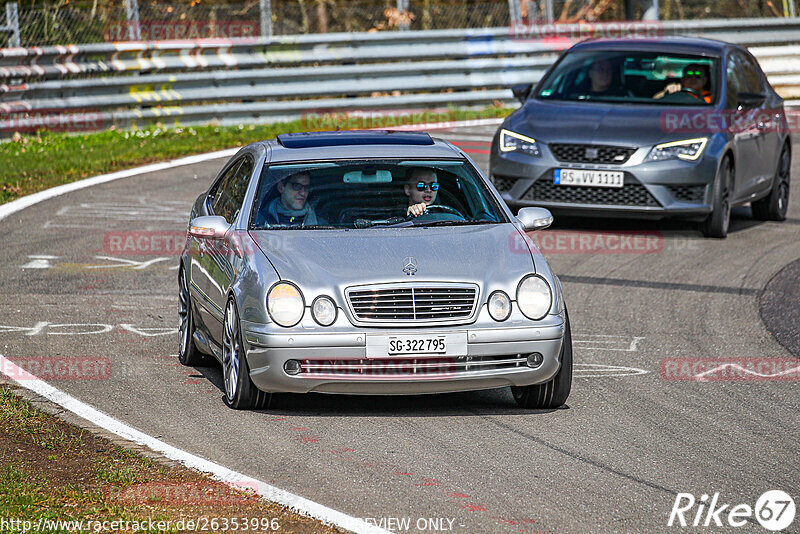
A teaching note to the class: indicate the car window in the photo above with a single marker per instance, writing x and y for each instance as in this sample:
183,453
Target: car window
633,77
734,83
229,193
360,194
749,71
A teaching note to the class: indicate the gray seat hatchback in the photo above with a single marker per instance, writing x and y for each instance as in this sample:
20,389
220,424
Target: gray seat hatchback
672,127
369,263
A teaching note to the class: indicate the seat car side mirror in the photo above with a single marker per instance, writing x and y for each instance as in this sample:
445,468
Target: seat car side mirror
209,227
535,218
521,91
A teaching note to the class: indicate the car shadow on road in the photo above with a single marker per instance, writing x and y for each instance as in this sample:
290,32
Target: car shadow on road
741,219
464,404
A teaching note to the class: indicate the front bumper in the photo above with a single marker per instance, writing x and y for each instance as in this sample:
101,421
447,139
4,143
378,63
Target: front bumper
672,188
495,358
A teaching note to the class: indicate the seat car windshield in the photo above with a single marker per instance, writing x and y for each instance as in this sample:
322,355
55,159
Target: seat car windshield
372,193
633,78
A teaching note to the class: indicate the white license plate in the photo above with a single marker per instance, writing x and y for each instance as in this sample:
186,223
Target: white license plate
443,344
589,178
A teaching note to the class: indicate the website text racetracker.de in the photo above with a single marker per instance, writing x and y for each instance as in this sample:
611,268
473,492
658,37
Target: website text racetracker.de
199,524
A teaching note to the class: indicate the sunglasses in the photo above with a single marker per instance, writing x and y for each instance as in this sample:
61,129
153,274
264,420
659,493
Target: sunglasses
297,187
421,186
693,74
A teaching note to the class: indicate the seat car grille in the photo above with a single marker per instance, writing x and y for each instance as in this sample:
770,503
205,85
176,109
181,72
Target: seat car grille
579,153
388,368
503,183
688,193
629,195
412,303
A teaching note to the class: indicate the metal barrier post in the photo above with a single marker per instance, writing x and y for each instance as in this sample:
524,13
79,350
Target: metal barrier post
265,6
12,24
132,12
514,12
402,7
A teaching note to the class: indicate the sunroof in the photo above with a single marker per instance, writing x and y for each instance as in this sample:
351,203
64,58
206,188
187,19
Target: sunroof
351,137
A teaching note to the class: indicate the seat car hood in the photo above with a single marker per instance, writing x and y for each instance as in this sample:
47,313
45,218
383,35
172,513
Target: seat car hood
326,259
565,122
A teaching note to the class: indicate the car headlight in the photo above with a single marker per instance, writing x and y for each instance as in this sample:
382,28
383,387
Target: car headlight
499,306
512,141
689,150
534,297
323,310
285,304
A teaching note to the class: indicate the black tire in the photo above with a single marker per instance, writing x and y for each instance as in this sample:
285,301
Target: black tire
554,393
773,207
188,354
716,225
240,392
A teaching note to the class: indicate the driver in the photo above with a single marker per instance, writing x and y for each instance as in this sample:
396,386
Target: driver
693,82
421,188
291,207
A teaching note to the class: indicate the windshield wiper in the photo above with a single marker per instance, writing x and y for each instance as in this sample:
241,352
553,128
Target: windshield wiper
456,223
390,222
301,227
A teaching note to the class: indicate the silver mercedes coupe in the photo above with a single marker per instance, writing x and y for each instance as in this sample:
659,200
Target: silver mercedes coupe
377,263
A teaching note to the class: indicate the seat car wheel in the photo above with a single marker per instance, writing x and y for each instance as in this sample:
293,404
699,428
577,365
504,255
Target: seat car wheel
717,223
773,207
554,393
240,392
187,351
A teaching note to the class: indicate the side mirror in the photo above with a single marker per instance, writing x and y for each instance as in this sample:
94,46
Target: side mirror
208,227
751,100
521,91
535,218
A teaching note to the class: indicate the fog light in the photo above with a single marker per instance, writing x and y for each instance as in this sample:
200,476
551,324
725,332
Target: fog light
535,359
292,367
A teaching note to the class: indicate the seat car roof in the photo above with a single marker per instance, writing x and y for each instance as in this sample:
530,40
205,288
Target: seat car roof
358,144
672,44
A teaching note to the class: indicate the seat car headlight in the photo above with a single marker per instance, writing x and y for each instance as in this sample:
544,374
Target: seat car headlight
534,297
512,141
499,306
689,150
285,304
323,310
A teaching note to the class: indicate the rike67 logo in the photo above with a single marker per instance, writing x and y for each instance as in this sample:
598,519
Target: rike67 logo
774,510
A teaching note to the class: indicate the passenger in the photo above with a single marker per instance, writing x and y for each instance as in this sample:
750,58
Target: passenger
693,82
421,188
291,207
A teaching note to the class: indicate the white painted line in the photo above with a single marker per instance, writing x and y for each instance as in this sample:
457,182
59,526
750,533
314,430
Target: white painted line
232,478
29,200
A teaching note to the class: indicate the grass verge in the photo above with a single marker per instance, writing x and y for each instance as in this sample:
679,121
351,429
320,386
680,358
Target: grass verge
53,473
32,163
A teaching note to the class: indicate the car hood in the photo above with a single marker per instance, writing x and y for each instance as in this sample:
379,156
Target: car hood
565,122
321,260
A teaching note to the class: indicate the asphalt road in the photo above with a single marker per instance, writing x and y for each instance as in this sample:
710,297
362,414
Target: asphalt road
631,438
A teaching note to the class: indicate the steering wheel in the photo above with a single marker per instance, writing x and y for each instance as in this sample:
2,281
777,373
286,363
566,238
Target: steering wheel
691,92
443,209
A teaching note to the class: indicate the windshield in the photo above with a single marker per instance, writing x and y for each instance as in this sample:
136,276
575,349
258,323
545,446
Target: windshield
633,78
372,193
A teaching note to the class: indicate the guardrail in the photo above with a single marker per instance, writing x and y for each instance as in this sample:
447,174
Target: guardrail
259,80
